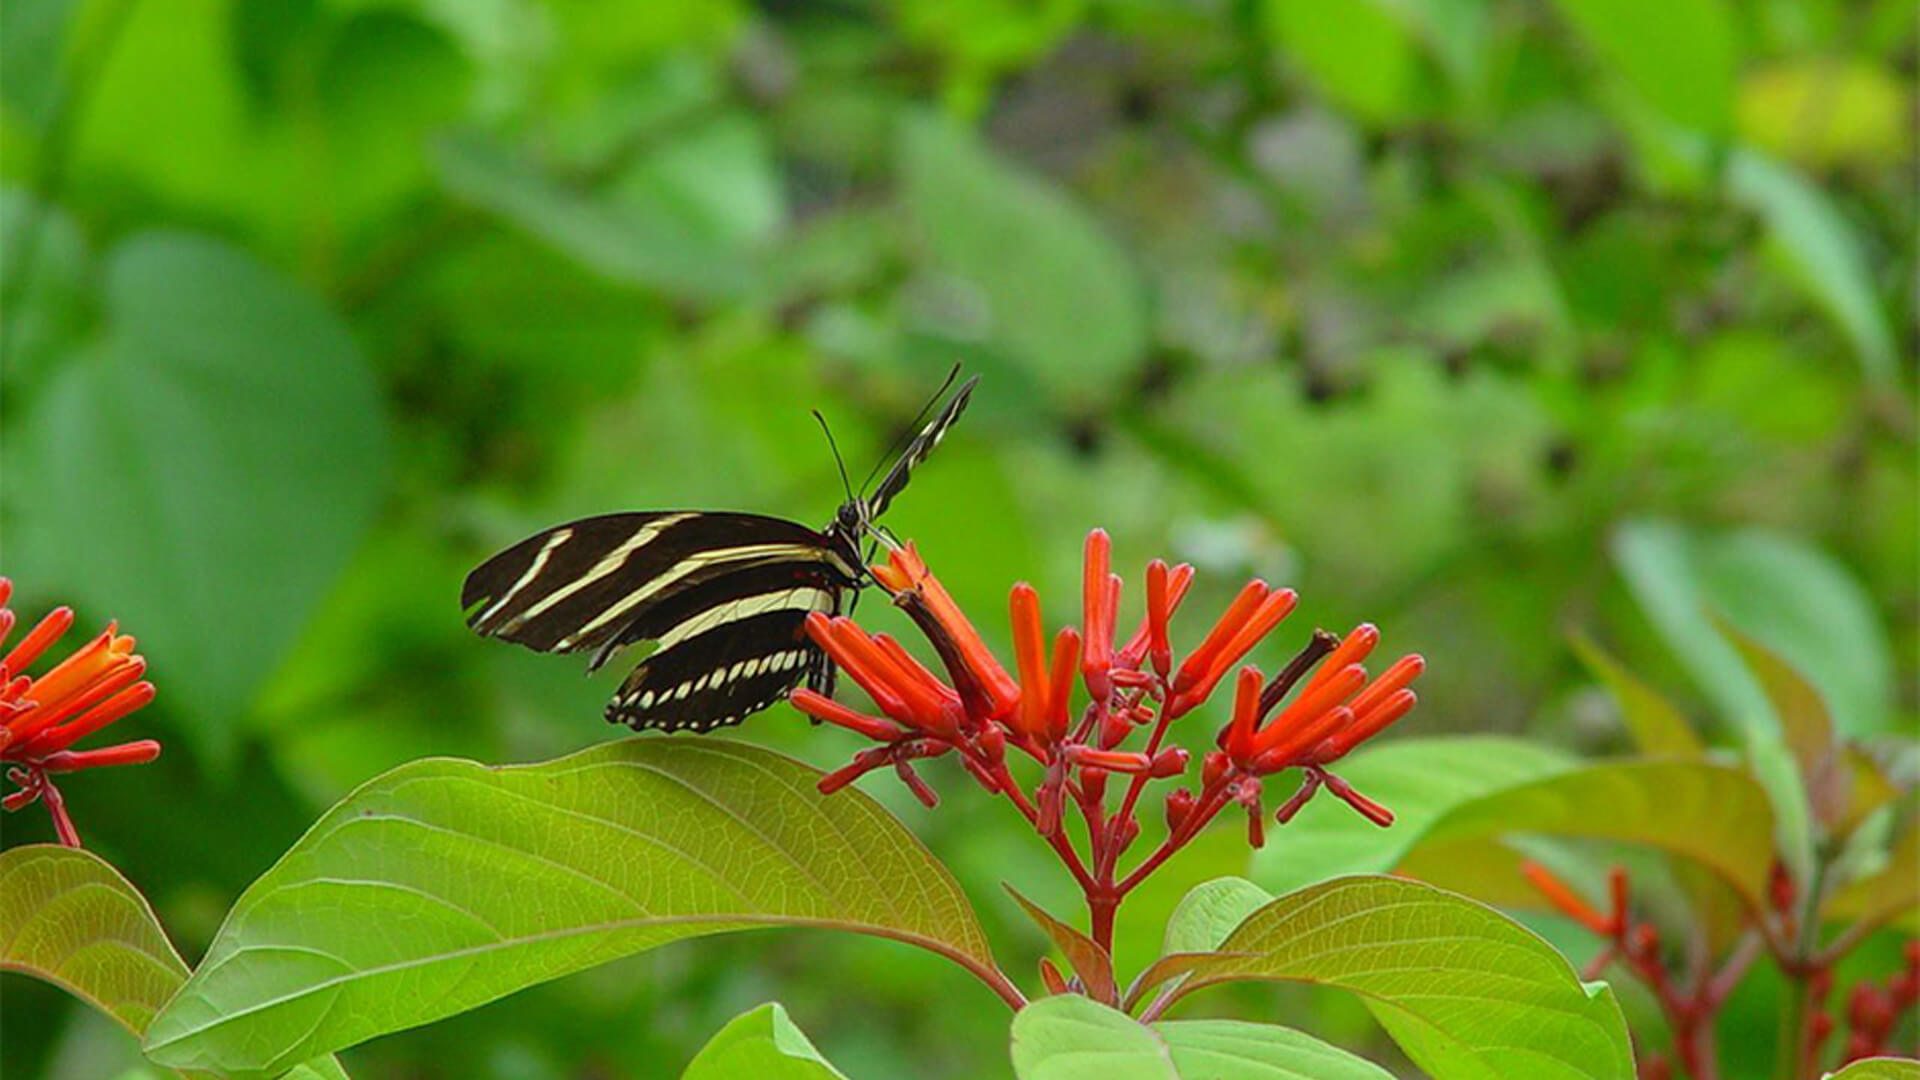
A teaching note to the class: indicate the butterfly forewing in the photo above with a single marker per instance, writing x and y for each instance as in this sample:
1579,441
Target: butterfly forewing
917,450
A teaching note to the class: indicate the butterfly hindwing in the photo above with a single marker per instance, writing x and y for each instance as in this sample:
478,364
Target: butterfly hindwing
718,676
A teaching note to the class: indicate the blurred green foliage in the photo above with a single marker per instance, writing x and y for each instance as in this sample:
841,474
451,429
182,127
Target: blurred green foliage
1480,319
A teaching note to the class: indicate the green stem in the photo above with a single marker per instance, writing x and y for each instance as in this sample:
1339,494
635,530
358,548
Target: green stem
1791,1062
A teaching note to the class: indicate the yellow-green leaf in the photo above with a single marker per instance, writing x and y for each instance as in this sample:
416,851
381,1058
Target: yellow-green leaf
444,884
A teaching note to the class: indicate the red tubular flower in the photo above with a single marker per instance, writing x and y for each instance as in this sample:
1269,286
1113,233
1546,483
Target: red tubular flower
1570,903
1100,597
40,718
978,677
1030,654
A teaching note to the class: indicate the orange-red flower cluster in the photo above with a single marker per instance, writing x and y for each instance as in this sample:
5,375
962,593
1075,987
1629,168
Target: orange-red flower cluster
1128,685
41,718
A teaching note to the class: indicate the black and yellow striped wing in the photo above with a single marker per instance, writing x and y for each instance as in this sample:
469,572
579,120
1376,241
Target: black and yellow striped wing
723,597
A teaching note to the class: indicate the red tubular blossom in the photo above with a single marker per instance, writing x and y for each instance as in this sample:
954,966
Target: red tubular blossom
1291,726
971,665
1030,656
1246,710
857,655
1111,760
1368,809
1362,728
1353,649
1571,904
1178,581
1099,598
821,707
1229,624
1158,650
1403,672
133,753
106,701
49,630
1066,648
1304,746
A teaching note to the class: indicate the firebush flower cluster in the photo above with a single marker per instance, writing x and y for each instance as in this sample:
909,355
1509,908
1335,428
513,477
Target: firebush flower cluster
1307,716
41,718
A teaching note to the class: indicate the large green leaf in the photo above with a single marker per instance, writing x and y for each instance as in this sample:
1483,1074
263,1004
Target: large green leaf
1789,596
1420,779
1678,55
204,473
1063,299
1888,894
444,884
67,916
761,1043
1881,1068
692,219
1468,993
1069,1037
1712,814
1658,727
1820,252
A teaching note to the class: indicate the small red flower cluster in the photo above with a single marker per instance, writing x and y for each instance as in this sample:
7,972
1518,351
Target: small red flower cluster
1873,1010
1691,1004
40,718
1313,712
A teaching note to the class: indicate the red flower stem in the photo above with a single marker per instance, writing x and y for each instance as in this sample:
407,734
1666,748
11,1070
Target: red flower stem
1139,782
1204,811
57,806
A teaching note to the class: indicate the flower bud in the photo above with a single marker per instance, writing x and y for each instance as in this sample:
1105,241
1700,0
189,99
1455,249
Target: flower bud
1093,783
1212,768
1179,805
1171,761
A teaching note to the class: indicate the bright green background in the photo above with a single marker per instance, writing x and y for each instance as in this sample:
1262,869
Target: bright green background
1442,311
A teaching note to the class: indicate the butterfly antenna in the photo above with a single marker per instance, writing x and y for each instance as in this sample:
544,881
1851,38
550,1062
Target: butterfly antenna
912,429
839,462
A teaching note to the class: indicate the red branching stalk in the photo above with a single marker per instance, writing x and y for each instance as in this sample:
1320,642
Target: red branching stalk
1317,709
42,717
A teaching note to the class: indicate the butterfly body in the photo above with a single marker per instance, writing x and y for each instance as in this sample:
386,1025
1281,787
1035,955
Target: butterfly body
723,596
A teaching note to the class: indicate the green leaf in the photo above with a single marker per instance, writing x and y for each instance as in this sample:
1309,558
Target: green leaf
643,240
1354,51
1067,1037
1658,727
1468,993
1712,814
1820,252
1421,779
762,1042
1061,297
504,877
1210,912
1089,960
1791,598
1888,894
1805,726
214,461
68,917
1679,56
1881,1068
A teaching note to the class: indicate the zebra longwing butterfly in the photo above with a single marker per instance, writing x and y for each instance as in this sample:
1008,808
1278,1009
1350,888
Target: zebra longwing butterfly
723,596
